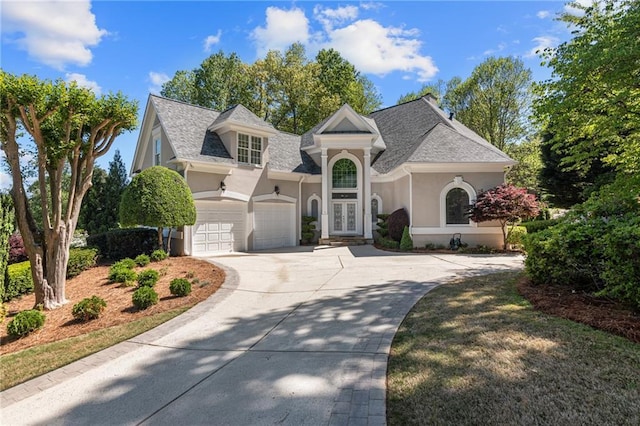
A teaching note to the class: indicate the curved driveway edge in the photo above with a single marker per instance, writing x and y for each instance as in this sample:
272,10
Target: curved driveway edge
298,336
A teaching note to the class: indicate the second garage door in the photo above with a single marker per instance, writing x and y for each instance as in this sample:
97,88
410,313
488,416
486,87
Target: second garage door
274,225
220,227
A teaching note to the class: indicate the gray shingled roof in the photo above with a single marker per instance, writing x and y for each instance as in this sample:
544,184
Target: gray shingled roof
443,144
240,114
186,127
418,131
285,155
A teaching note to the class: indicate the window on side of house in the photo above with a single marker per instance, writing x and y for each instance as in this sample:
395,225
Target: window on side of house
374,210
157,146
457,205
249,149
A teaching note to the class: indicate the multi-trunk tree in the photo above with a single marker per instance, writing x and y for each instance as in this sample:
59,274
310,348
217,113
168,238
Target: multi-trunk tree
68,126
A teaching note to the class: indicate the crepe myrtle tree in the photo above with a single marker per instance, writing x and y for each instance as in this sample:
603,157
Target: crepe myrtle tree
506,204
158,197
67,127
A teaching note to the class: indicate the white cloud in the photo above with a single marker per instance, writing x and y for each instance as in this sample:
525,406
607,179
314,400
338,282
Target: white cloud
53,32
543,14
332,17
82,81
282,28
542,42
212,40
157,79
500,48
373,48
372,5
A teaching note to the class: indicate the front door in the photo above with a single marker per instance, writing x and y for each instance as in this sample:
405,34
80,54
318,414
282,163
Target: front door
344,217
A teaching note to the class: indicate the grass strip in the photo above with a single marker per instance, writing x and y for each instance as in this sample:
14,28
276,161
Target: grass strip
18,367
475,352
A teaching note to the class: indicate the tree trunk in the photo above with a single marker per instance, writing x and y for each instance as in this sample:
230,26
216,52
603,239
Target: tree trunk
503,226
169,242
56,268
160,240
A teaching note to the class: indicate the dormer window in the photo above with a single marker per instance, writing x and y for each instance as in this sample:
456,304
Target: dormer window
249,149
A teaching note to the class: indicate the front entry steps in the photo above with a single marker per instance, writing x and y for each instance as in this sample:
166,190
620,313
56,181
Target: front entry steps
345,241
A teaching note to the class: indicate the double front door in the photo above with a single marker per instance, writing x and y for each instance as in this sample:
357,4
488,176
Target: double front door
344,217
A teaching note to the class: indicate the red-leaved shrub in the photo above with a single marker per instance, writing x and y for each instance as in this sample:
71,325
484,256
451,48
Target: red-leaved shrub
16,249
397,221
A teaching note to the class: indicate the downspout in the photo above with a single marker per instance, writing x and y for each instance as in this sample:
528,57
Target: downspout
299,221
404,168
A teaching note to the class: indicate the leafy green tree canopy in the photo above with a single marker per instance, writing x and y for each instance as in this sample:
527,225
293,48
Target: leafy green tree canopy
158,197
591,105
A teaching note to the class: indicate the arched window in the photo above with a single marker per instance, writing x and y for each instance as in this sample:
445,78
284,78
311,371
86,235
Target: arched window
345,174
457,206
314,203
314,209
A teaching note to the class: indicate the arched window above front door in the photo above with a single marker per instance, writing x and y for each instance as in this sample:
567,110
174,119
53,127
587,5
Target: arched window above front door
345,174
457,206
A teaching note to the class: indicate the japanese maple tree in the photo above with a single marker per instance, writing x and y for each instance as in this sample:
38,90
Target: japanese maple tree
506,204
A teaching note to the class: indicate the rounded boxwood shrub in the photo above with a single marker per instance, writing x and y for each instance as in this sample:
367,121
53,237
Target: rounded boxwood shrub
89,308
25,322
19,280
81,259
148,278
180,287
144,297
158,255
126,262
142,260
122,275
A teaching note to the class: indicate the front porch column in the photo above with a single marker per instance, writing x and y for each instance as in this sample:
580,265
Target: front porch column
325,195
368,233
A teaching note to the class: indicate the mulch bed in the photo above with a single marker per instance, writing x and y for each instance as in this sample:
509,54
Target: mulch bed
597,312
60,324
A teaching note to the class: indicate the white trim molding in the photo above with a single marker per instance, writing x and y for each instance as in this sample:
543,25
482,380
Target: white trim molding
453,229
221,194
317,198
458,182
273,197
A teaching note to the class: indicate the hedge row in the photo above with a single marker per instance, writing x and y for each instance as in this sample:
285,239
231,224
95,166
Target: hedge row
118,244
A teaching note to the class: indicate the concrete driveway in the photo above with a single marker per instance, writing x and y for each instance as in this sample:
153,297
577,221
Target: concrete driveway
294,338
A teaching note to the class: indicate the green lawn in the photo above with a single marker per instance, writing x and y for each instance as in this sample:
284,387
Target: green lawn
21,366
475,352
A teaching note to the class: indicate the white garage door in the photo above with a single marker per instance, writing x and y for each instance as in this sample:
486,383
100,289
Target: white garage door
220,227
274,225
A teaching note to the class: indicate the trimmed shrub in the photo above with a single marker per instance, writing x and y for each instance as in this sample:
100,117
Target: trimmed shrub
383,225
130,242
307,229
142,260
3,312
158,255
538,225
397,222
388,243
81,259
25,322
406,244
17,253
19,280
516,235
88,308
99,241
148,278
144,297
180,287
122,271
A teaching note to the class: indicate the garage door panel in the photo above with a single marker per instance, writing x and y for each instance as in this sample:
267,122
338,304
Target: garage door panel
220,227
274,225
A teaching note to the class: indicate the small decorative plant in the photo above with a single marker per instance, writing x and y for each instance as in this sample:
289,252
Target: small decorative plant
180,287
148,278
89,308
142,260
158,255
144,297
25,322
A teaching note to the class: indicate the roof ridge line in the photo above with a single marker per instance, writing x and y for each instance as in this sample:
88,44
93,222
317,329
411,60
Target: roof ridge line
183,102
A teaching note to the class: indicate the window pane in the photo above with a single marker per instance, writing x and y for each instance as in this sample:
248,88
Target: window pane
374,210
255,157
243,140
345,174
256,143
314,209
457,205
243,155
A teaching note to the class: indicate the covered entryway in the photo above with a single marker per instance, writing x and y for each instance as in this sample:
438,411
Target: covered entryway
220,227
274,225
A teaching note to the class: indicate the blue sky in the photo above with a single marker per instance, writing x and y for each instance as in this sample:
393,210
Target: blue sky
134,47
